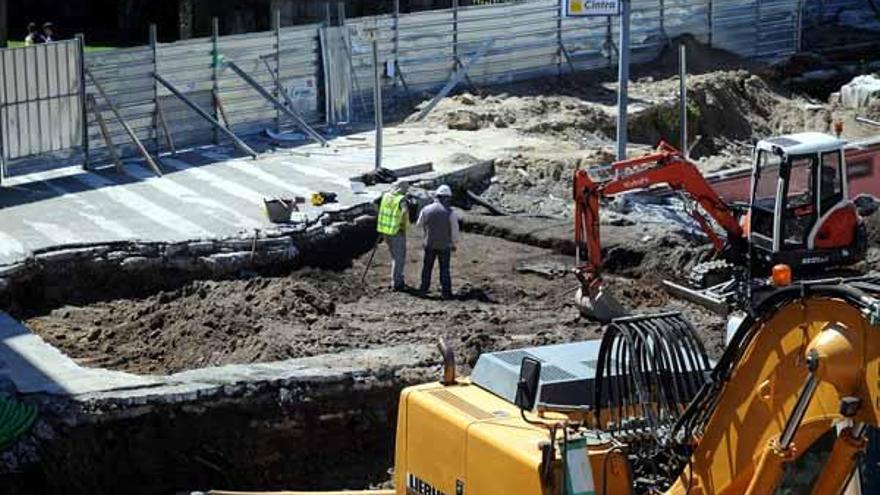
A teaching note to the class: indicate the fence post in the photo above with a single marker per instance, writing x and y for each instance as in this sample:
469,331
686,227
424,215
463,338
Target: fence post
757,28
3,126
711,19
276,21
84,117
215,73
799,26
663,18
396,38
559,48
154,48
454,32
609,41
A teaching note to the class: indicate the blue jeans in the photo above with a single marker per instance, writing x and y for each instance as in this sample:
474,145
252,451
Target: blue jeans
397,247
443,255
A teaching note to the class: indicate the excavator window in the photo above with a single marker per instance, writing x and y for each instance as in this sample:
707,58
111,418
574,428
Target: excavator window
763,207
830,181
800,208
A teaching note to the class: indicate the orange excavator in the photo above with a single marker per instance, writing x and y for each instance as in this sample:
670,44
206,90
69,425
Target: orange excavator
800,213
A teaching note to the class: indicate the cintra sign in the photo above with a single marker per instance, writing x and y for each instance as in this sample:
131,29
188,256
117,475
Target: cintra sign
586,8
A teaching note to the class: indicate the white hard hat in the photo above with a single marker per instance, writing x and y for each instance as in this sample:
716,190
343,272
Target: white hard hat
443,190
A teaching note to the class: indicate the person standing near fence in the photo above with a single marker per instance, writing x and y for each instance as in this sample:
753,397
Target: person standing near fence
33,37
48,32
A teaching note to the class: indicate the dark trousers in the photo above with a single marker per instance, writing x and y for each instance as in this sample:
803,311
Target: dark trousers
443,255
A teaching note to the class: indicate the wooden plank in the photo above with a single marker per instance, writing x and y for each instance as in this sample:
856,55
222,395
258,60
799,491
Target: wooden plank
107,139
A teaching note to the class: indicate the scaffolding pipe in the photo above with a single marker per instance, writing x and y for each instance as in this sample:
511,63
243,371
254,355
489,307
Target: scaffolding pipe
280,106
235,139
137,142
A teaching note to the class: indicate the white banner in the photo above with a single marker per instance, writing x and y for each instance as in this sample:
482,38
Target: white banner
587,8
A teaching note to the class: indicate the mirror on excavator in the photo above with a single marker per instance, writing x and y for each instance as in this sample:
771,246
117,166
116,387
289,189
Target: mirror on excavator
527,385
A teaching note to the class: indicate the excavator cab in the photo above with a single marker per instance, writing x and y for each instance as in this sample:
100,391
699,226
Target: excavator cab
801,214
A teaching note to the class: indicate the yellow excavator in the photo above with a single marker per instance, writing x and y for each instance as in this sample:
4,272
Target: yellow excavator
643,410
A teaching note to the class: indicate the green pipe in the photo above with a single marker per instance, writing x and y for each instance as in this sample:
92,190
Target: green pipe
15,420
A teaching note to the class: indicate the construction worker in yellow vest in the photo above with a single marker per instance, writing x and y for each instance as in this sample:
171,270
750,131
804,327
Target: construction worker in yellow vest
393,222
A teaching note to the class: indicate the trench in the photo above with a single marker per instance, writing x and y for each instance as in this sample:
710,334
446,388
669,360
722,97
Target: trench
329,433
269,376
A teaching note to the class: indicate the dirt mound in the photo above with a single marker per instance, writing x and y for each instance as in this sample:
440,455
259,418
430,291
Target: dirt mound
701,58
725,107
199,324
315,312
565,117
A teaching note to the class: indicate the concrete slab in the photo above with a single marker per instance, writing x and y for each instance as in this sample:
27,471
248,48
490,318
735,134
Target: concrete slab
206,193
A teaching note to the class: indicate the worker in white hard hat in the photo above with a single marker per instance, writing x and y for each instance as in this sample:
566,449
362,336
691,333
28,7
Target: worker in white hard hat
440,226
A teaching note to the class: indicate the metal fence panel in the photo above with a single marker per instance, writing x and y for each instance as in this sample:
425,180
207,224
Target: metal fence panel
841,25
40,101
188,66
419,52
126,76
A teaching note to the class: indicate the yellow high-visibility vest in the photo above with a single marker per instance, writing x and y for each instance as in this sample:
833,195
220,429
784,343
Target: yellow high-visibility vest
392,214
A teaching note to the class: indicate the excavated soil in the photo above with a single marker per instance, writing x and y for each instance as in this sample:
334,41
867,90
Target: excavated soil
313,312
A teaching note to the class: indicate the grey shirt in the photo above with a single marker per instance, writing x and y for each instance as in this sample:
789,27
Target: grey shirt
440,225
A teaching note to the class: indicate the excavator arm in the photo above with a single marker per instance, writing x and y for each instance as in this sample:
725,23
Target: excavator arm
665,166
803,369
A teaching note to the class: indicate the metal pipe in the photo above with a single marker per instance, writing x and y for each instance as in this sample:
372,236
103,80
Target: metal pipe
154,49
682,98
276,21
235,139
623,80
865,120
377,98
108,139
84,119
215,73
803,401
448,361
137,142
280,106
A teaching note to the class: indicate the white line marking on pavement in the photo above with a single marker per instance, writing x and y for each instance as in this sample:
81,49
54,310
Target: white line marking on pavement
220,212
216,181
10,246
142,206
85,207
54,232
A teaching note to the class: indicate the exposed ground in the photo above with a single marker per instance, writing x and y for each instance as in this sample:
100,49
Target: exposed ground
563,125
313,312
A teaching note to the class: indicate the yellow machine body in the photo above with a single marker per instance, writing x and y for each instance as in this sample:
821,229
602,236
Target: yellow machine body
761,393
461,439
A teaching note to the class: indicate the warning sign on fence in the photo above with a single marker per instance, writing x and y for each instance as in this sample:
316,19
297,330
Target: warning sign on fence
586,8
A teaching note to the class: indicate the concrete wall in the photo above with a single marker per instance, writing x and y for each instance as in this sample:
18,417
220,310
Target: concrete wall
313,423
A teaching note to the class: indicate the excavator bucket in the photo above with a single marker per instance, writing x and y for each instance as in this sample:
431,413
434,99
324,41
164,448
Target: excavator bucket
601,306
